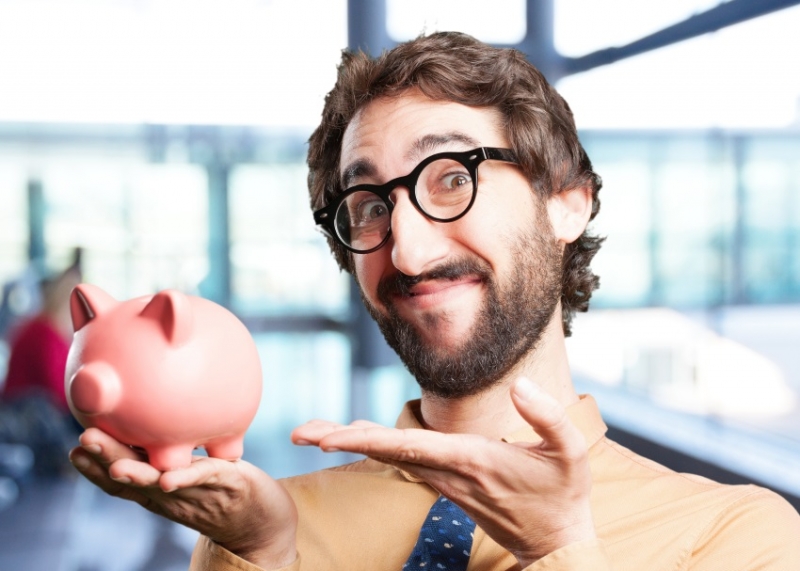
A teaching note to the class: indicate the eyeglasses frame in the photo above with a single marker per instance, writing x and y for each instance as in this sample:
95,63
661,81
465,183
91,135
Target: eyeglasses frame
325,217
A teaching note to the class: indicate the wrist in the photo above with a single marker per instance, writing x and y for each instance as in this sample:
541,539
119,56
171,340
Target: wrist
547,544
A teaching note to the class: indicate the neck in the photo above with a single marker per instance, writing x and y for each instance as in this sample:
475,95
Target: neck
491,412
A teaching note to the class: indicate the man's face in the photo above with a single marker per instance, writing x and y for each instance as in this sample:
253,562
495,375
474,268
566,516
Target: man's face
460,302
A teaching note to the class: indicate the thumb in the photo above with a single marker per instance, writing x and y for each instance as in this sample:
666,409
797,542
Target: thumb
545,414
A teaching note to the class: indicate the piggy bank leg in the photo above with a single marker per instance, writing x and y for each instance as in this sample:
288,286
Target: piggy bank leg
226,448
166,458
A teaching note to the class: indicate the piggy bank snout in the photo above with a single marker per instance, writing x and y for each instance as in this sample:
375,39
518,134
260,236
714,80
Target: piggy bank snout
95,388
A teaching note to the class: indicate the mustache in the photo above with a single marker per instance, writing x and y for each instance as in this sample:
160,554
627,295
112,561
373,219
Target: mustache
400,284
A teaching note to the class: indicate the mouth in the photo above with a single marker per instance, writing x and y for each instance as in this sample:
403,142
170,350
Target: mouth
439,293
435,285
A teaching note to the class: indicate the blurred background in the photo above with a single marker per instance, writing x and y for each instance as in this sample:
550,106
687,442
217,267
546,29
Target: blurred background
152,144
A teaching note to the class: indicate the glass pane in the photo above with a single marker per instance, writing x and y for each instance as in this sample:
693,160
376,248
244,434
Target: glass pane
13,221
143,227
167,210
182,61
625,220
770,221
305,377
280,264
703,224
497,22
695,83
624,21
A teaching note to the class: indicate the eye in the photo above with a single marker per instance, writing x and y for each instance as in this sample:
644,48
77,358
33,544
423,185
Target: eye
444,176
370,210
455,181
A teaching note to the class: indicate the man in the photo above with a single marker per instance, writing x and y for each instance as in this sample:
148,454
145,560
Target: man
451,181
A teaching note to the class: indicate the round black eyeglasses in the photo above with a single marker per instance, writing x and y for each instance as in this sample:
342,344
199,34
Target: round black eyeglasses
442,187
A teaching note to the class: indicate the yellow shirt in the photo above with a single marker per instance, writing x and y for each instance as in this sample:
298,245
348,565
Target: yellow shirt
366,516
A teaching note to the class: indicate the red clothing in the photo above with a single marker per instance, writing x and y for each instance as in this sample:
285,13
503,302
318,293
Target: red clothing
37,363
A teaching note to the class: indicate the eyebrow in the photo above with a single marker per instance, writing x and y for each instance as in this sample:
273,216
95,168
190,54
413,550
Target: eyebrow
357,169
422,147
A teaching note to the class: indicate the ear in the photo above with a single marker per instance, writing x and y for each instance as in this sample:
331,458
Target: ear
569,212
173,312
87,302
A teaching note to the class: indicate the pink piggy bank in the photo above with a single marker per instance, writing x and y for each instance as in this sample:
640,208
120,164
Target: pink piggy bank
166,373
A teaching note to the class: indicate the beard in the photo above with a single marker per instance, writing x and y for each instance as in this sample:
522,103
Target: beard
507,327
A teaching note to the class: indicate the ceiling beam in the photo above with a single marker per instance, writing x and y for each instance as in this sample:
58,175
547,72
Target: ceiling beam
721,16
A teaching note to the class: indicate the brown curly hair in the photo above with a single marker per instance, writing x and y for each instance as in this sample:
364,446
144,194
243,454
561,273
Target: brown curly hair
452,66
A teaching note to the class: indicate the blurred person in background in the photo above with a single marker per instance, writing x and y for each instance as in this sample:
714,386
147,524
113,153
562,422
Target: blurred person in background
35,410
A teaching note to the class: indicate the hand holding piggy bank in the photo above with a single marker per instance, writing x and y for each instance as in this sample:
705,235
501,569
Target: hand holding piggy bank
167,373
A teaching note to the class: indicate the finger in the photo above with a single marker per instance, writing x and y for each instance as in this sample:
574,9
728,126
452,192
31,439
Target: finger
134,472
105,448
93,470
547,416
414,446
208,472
365,424
313,431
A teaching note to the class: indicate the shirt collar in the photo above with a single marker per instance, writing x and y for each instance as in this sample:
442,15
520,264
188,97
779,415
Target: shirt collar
584,414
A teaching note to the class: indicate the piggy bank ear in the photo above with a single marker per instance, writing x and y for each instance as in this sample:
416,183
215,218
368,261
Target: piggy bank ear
173,312
86,303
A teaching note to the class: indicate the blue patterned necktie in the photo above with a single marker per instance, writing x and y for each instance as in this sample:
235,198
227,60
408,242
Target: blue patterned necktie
445,539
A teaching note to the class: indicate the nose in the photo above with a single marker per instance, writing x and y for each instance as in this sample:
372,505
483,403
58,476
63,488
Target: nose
418,243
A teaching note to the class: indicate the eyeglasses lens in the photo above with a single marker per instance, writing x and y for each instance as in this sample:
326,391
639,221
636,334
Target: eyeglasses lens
444,190
362,220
